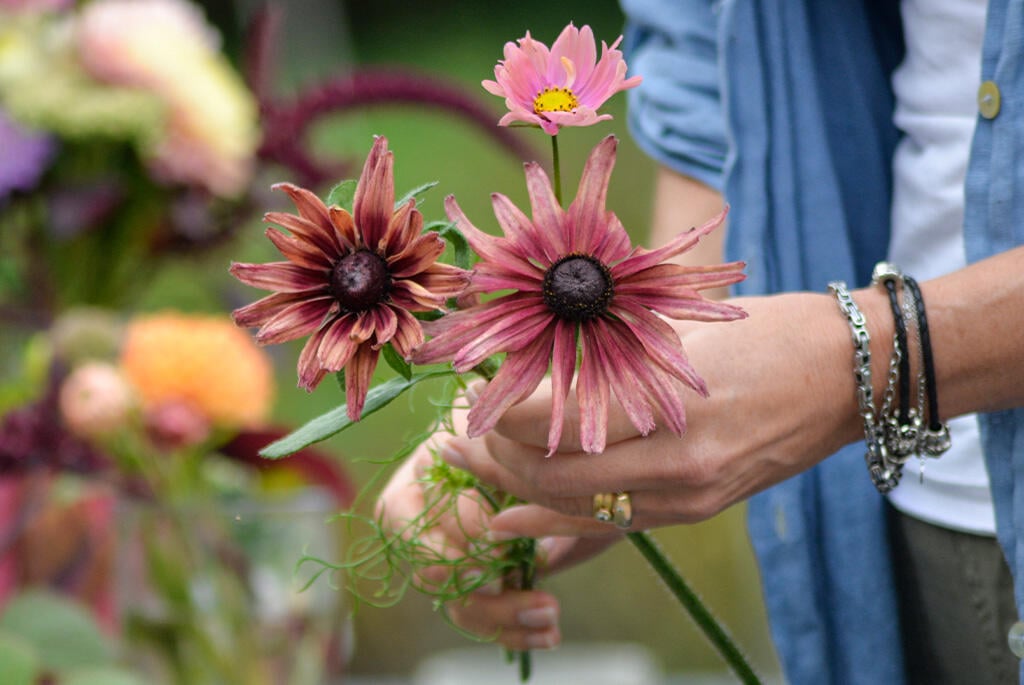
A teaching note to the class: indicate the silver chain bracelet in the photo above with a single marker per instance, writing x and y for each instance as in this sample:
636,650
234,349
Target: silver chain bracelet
885,474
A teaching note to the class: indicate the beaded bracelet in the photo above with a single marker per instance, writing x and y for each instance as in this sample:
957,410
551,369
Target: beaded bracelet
884,474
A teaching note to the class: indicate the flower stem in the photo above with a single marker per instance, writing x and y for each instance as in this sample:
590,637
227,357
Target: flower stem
700,614
556,167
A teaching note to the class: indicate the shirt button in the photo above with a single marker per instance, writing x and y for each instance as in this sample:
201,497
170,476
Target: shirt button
1016,639
988,99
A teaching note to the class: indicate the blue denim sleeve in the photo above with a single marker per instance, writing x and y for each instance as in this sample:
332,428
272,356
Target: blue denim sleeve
675,114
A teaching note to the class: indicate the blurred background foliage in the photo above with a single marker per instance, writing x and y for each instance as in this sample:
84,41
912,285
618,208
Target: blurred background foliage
615,597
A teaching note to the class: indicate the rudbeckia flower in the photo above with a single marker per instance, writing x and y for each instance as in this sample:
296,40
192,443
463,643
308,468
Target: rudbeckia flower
563,86
574,275
350,281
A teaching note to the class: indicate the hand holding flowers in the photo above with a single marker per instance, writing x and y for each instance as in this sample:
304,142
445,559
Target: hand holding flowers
563,288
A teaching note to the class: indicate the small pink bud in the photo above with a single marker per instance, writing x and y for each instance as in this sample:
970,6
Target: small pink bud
95,400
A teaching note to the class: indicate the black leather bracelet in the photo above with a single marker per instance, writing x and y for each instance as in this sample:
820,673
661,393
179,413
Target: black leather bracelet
936,439
903,350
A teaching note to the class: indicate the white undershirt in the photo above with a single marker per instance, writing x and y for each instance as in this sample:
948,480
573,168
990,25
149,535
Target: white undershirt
935,90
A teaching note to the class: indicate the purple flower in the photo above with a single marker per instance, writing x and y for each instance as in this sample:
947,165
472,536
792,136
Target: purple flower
24,156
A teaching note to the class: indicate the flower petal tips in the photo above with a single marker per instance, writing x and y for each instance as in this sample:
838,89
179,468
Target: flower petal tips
574,276
563,86
349,281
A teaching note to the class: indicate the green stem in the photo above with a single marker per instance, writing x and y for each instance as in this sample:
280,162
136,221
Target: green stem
556,167
700,614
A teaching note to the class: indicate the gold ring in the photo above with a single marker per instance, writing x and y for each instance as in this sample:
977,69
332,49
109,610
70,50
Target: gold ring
622,510
603,503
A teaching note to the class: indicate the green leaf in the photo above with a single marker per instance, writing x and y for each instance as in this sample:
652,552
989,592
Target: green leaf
399,365
337,420
19,663
60,630
101,676
343,195
463,255
416,192
340,377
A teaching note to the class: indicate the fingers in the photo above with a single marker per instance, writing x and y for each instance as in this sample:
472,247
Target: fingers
519,620
529,421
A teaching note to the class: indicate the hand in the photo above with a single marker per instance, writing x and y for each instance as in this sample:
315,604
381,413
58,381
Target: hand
782,399
519,620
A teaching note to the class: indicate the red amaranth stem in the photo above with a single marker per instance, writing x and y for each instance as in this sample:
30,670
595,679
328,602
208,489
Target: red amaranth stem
287,121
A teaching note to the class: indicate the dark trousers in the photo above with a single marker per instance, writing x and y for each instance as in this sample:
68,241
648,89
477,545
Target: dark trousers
956,605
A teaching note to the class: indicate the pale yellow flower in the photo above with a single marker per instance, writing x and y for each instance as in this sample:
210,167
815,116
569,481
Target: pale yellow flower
166,47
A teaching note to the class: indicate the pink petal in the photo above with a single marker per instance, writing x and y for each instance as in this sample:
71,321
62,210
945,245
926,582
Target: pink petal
660,340
309,205
261,311
454,331
408,335
519,230
675,278
691,308
592,397
487,279
587,214
508,335
405,224
644,259
548,215
358,375
615,245
309,368
282,277
417,256
520,374
487,247
443,280
306,230
345,230
622,375
563,366
408,293
653,382
295,321
299,251
374,200
363,327
337,346
385,323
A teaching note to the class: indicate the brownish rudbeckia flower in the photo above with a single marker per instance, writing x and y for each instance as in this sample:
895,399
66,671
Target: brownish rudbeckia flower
350,281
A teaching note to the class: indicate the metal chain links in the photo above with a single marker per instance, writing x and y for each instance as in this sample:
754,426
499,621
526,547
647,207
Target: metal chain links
890,441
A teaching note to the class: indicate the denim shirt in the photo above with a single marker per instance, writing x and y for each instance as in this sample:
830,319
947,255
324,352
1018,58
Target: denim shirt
786,107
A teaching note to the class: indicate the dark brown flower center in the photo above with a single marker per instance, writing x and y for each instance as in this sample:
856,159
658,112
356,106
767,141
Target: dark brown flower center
360,281
578,287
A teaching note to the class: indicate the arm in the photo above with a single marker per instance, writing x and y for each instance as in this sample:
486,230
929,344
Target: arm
782,399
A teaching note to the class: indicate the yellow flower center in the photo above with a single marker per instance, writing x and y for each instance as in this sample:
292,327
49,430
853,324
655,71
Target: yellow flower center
555,100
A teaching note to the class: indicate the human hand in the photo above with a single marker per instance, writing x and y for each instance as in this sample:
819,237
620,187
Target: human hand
781,399
518,619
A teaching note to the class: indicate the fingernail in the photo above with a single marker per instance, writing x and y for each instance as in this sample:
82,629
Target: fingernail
473,392
454,456
545,640
542,617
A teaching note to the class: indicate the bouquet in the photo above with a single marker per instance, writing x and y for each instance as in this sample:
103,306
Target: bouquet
563,291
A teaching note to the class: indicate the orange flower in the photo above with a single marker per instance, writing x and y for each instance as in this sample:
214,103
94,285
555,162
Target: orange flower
201,360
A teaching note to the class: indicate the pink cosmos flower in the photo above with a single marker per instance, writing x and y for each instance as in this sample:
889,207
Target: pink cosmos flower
575,276
350,281
563,86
